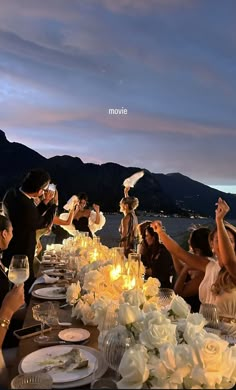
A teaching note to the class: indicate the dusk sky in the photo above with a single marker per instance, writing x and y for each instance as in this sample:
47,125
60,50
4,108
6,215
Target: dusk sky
170,63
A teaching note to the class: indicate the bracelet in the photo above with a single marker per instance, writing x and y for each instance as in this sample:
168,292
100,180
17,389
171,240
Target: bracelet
4,323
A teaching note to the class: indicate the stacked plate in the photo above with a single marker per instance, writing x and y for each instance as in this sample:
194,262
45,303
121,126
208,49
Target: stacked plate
51,293
63,378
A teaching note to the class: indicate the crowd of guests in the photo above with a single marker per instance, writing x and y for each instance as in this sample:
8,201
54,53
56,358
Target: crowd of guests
206,273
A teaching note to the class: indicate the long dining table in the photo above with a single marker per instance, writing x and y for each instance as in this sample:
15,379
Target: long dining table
27,345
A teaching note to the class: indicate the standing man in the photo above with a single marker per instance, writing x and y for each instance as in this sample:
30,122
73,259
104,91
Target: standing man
26,217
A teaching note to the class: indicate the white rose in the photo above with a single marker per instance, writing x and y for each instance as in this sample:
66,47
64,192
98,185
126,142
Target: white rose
128,314
89,298
73,293
212,352
156,335
151,287
155,317
133,368
76,310
87,315
194,326
150,306
93,280
180,307
134,297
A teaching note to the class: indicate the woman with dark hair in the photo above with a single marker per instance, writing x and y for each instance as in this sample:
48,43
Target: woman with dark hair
156,258
189,279
26,217
219,283
83,214
10,302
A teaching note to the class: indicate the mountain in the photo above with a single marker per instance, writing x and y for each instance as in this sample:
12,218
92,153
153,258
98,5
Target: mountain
171,193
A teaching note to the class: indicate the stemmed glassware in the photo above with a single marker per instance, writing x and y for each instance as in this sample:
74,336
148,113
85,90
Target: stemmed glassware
19,269
46,314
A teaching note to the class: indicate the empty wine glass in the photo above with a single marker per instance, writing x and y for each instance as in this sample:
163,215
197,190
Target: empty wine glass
210,313
19,269
45,314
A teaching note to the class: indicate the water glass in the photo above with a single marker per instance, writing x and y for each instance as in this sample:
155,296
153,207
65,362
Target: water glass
165,296
210,313
18,269
32,381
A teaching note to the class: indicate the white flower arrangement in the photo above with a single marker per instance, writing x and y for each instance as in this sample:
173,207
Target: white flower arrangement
179,355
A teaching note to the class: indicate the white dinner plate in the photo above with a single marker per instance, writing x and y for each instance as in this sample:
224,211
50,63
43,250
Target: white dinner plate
32,362
49,293
74,334
101,369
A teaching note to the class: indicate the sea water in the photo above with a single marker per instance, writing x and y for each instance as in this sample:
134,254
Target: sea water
177,228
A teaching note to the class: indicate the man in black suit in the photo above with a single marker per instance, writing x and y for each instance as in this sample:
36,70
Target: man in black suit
26,217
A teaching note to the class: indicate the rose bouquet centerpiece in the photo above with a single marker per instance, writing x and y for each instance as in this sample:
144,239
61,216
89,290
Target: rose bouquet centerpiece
97,287
173,350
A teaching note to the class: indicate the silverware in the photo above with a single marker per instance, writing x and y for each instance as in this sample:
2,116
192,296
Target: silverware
64,366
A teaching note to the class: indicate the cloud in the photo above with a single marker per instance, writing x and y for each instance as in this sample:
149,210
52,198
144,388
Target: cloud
170,63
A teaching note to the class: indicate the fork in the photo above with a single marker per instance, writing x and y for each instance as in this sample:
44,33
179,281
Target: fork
62,365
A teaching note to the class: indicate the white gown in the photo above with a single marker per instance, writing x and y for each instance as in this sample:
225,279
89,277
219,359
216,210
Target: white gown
226,306
225,302
211,272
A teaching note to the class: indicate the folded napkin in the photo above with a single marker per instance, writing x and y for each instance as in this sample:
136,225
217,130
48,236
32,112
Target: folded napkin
43,279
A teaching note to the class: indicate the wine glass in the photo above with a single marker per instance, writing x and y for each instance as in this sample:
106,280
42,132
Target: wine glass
44,313
19,269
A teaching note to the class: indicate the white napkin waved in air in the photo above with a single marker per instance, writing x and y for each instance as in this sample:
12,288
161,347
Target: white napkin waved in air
71,203
43,279
132,180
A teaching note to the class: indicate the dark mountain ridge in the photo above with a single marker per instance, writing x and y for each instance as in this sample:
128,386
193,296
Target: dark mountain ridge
170,193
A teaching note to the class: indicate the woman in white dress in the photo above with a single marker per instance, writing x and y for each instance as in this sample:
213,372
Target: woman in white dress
224,286
219,283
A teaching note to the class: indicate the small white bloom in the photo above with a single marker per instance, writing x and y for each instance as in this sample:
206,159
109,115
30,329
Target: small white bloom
151,287
133,368
128,314
180,307
134,297
156,335
73,293
93,280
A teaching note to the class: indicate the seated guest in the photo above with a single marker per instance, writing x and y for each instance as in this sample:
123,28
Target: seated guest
219,284
10,301
140,232
189,279
5,237
156,258
26,217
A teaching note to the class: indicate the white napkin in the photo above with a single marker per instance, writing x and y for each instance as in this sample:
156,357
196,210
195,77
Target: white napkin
132,180
71,203
43,279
